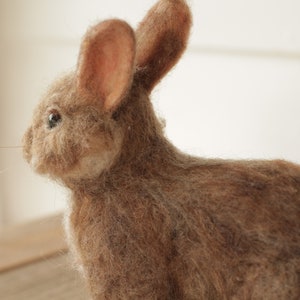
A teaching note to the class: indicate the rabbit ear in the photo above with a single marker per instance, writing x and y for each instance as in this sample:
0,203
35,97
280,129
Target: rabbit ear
106,62
161,39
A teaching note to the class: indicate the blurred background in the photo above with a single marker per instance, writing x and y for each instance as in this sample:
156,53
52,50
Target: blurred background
235,94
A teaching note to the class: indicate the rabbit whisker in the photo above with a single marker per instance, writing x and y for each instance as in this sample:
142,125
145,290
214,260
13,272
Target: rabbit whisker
10,147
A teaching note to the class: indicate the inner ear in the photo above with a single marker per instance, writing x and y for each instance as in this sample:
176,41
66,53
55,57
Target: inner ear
106,62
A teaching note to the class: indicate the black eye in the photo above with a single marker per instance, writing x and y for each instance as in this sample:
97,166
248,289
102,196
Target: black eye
54,119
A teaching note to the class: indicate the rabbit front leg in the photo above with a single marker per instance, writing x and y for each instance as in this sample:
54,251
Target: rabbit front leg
259,282
125,255
271,281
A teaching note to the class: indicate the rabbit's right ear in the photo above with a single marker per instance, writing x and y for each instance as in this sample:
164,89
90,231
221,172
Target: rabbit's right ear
161,39
106,62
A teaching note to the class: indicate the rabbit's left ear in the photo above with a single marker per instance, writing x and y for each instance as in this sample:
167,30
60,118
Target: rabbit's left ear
106,62
161,39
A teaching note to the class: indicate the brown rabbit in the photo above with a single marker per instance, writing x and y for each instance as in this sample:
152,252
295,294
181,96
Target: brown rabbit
147,221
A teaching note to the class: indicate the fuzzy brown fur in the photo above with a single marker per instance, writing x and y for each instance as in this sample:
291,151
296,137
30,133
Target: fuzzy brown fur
147,221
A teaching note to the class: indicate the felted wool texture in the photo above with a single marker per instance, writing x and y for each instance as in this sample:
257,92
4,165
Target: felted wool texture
147,221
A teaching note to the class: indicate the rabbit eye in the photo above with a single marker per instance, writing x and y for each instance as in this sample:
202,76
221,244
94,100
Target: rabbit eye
54,119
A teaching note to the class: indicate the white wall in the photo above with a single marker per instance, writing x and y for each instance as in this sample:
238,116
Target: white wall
234,94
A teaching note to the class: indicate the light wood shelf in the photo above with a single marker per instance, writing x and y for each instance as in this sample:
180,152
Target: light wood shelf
34,263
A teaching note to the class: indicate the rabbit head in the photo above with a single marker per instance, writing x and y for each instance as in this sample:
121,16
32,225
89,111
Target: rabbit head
82,123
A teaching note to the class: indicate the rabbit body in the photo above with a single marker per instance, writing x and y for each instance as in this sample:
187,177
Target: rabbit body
147,221
163,225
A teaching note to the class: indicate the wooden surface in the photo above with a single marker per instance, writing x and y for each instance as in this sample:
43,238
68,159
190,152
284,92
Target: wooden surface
29,242
35,264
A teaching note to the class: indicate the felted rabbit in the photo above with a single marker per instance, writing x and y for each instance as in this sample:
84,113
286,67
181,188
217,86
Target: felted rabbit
147,221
